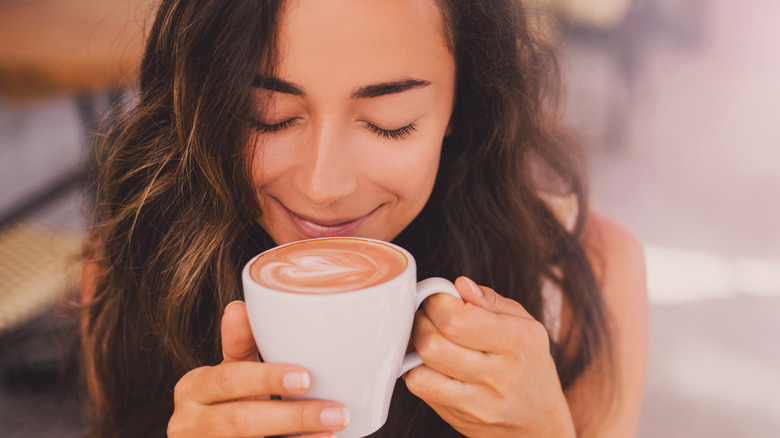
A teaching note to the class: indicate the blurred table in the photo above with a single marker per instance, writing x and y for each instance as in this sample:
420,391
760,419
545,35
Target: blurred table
602,14
70,45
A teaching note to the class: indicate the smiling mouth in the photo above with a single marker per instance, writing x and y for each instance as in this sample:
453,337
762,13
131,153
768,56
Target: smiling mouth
314,228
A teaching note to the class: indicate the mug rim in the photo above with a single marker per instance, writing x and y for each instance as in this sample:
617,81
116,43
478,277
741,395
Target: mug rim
257,287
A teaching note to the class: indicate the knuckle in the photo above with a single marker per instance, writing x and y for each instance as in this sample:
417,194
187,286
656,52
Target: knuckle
515,329
490,292
487,416
433,301
181,389
174,427
538,333
429,347
414,382
519,337
301,415
421,322
223,381
493,300
529,334
437,304
237,419
183,423
451,324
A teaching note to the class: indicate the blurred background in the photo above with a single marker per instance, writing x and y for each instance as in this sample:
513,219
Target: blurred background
675,101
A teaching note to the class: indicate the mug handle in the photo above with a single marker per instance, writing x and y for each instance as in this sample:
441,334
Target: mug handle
426,288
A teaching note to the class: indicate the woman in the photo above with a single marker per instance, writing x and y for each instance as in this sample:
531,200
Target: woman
428,123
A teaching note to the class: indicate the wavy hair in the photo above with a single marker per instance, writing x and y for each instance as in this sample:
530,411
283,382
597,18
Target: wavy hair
175,213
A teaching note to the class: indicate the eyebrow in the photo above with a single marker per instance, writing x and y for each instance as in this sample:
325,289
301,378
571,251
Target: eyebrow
278,85
385,88
366,91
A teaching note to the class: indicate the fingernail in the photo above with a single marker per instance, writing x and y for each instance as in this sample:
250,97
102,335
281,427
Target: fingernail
473,286
335,417
230,304
296,380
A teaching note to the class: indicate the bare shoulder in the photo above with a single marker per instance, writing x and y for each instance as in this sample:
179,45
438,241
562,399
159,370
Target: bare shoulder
612,249
618,263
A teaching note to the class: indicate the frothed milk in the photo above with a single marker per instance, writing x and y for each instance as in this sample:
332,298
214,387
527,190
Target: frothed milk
326,266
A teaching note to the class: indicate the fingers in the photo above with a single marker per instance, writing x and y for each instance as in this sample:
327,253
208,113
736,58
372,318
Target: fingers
479,328
230,399
238,344
444,356
486,298
239,380
436,388
465,324
264,418
261,418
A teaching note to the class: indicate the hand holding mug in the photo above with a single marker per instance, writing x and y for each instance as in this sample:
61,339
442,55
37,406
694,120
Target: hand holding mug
488,370
233,398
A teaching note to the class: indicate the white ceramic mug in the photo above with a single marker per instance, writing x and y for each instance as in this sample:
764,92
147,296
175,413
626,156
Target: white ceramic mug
353,343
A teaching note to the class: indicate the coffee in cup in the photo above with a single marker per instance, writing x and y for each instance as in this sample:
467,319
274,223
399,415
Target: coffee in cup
328,266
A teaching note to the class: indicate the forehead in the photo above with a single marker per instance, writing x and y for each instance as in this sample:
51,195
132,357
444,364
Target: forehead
370,39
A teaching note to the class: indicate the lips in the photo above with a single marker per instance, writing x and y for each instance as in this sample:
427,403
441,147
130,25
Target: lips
327,228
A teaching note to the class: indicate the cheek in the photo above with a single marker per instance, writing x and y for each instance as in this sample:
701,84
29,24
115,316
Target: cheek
256,159
268,162
407,169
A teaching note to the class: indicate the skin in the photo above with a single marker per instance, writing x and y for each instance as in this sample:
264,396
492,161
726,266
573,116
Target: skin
328,164
321,169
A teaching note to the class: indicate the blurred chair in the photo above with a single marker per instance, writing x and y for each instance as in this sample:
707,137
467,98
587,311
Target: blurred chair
88,49
49,47
37,266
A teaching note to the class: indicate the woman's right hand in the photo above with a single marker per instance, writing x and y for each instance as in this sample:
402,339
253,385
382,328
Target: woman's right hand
233,399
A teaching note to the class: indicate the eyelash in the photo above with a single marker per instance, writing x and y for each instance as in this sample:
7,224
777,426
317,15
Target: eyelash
266,129
392,134
388,134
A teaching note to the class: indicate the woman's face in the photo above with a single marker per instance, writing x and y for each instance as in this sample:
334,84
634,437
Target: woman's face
350,139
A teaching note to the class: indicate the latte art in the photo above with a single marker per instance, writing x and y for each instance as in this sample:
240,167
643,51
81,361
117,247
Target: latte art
321,271
328,266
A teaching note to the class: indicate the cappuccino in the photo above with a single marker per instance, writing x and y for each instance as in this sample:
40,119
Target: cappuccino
326,266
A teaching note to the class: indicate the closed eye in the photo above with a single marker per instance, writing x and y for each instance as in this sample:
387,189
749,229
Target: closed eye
266,128
392,134
388,134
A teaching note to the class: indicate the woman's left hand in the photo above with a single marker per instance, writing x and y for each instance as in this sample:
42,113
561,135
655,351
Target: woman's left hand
487,366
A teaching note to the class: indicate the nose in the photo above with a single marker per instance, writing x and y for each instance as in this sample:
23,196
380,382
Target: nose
326,171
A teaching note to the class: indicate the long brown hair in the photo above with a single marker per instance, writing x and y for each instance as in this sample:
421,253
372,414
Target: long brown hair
175,209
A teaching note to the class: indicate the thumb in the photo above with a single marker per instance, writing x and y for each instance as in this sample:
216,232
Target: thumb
238,344
488,299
